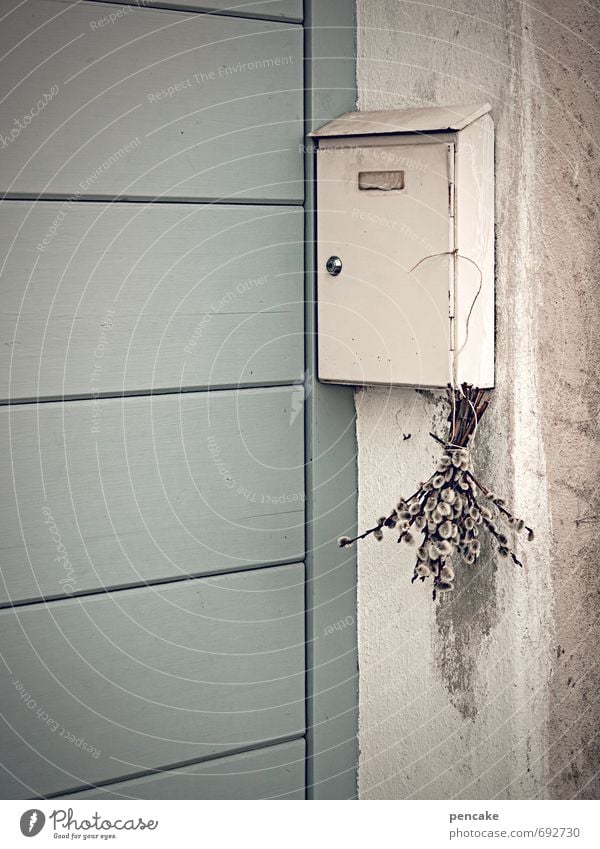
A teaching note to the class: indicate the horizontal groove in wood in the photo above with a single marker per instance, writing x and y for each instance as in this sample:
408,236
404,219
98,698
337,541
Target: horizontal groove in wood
150,199
207,9
147,393
181,765
160,582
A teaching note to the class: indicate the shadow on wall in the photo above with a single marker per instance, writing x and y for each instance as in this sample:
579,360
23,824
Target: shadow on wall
466,617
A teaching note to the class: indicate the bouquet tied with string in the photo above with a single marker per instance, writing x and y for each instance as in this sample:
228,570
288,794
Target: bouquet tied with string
452,508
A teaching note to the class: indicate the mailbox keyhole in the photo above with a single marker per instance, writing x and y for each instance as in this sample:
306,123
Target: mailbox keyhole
334,265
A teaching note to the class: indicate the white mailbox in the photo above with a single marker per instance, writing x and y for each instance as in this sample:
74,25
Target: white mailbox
405,230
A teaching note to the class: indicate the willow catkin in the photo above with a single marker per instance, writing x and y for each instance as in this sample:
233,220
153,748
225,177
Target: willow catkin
446,508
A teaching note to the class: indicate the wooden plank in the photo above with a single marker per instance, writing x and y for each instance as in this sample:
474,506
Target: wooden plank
138,297
111,685
159,103
288,10
332,662
122,491
275,772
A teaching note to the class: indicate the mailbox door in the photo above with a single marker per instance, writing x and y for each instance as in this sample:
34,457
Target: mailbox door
387,212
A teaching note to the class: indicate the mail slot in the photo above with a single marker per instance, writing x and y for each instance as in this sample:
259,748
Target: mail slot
383,181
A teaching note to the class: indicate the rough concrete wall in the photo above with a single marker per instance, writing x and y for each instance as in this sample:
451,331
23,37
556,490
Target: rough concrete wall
492,692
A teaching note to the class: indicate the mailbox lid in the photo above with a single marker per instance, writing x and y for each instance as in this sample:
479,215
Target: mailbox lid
385,319
427,119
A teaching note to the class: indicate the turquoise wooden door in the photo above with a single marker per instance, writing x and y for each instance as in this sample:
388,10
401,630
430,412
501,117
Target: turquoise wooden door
175,480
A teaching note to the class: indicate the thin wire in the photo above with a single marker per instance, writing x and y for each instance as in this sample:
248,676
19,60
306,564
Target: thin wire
473,302
453,399
454,370
477,294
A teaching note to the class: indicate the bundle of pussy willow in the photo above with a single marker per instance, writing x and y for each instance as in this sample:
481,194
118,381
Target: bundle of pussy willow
447,508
